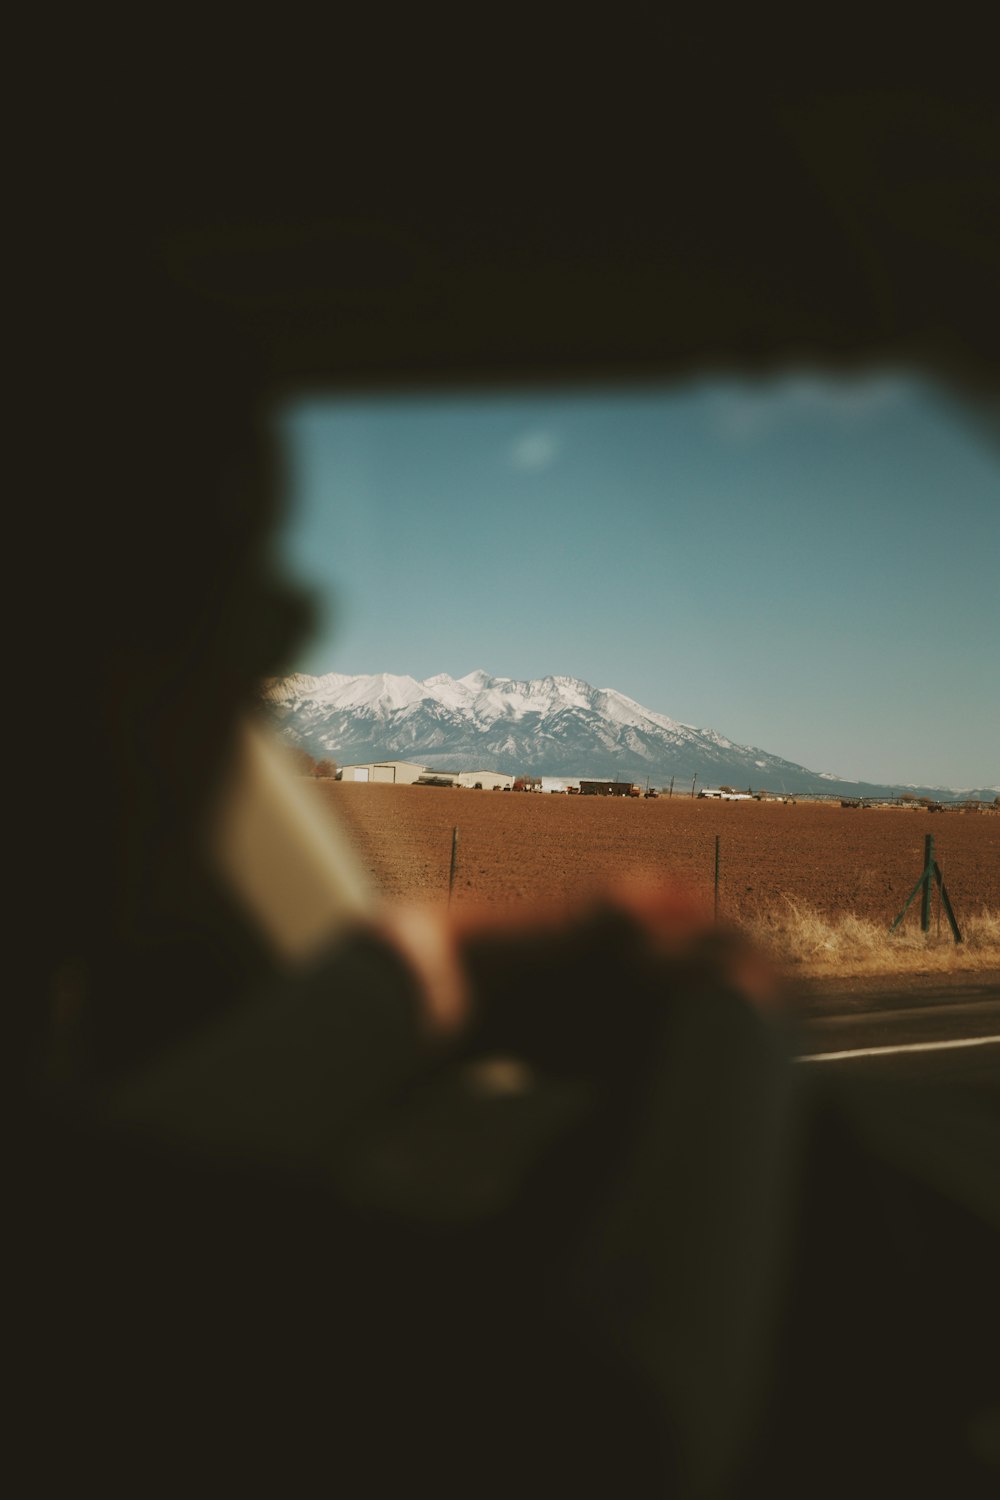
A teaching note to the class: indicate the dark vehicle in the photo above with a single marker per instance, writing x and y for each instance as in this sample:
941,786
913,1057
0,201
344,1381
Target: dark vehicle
610,789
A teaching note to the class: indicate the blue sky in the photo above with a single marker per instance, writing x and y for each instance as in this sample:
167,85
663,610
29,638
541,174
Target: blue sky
805,564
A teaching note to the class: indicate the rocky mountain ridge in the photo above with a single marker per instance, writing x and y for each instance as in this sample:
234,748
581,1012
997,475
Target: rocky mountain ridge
552,725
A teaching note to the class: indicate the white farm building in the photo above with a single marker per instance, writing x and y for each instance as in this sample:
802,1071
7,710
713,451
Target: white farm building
408,773
402,772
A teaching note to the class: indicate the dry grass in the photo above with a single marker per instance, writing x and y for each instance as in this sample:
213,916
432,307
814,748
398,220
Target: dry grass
802,939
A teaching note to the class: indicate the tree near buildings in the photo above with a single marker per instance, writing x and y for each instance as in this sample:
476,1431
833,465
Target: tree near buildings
302,761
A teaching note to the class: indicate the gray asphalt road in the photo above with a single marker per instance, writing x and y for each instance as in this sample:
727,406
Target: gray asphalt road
940,1034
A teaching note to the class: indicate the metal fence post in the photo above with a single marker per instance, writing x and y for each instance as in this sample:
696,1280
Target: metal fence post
931,872
716,877
454,861
925,899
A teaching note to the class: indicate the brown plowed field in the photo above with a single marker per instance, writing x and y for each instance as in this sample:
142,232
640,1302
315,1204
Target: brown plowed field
522,847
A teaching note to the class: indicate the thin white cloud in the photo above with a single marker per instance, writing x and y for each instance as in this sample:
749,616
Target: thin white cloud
534,450
756,411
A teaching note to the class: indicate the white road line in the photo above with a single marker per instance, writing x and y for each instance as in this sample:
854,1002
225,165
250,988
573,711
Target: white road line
969,1041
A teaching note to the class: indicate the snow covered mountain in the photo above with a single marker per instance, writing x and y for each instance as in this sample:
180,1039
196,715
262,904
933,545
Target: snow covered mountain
550,726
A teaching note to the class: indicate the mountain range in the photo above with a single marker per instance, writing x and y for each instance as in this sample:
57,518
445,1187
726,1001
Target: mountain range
550,726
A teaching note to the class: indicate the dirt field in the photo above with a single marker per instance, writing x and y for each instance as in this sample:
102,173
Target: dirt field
522,847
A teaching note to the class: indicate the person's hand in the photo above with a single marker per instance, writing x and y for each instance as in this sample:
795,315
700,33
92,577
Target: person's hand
667,924
427,940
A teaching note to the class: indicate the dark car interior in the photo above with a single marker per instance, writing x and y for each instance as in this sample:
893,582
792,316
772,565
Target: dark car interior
409,205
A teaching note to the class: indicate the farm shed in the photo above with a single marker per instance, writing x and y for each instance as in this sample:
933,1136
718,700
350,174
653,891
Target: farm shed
408,773
401,772
486,779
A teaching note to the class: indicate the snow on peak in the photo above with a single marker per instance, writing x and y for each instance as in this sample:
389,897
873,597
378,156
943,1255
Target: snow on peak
485,697
624,710
555,722
452,693
382,693
301,685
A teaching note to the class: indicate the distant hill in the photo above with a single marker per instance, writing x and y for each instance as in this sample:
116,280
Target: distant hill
551,726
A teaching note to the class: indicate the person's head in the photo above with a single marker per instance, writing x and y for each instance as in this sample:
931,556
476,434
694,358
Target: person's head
158,609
